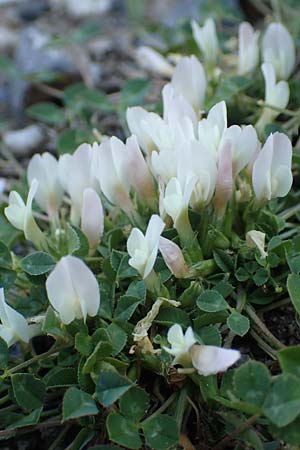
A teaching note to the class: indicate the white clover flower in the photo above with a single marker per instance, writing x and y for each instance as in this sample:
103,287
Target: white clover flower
113,173
206,359
177,197
189,80
20,215
153,61
272,175
180,344
211,129
14,326
73,290
78,172
44,168
92,217
278,49
248,48
206,39
209,360
143,248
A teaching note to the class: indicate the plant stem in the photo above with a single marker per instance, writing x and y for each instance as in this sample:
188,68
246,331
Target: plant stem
263,345
161,409
244,426
283,302
287,213
4,399
54,351
264,330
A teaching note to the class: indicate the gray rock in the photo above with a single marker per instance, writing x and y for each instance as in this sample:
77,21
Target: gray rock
23,141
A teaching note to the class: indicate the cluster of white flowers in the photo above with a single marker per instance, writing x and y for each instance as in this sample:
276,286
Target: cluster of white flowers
168,164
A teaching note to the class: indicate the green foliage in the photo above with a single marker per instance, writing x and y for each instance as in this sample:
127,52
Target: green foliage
78,403
111,386
29,391
211,301
37,263
110,376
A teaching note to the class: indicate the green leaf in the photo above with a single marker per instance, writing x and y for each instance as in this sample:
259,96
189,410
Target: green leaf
37,263
26,420
101,350
29,391
119,262
82,439
134,404
251,382
78,403
282,404
83,343
105,447
170,315
125,307
61,377
3,354
107,291
122,431
84,33
111,386
210,336
161,432
82,249
241,274
293,287
7,278
289,359
134,90
261,276
46,112
137,288
118,338
211,301
238,323
290,434
52,324
223,260
5,256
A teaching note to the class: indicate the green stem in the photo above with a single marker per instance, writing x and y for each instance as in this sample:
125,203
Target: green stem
283,302
263,329
4,399
54,351
263,345
161,409
287,213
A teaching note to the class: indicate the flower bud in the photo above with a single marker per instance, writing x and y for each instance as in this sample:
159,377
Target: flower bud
173,257
92,217
151,60
248,48
206,39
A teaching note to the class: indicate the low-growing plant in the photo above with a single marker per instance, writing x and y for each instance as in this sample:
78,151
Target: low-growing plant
133,311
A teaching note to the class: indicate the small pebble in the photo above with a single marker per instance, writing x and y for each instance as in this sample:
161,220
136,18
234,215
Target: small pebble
25,140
